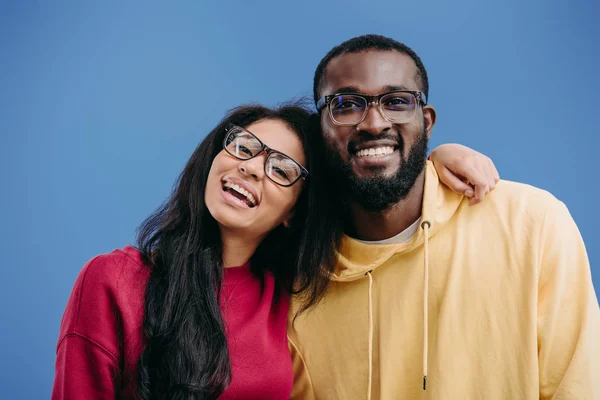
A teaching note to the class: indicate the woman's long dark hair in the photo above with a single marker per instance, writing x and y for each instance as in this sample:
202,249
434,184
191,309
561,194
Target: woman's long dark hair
185,354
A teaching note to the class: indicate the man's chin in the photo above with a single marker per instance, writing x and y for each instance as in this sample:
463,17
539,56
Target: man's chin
374,172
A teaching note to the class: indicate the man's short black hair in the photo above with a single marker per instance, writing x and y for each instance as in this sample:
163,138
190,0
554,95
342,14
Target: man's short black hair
365,43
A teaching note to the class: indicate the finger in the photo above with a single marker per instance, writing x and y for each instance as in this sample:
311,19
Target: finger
454,182
473,201
494,170
477,179
487,165
482,164
481,191
472,173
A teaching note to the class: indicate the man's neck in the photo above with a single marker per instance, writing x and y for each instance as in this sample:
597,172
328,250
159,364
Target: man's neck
384,224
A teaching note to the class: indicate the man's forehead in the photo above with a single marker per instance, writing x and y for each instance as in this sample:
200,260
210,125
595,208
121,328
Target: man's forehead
370,72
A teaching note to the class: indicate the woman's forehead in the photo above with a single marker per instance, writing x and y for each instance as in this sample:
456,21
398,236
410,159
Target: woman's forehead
277,135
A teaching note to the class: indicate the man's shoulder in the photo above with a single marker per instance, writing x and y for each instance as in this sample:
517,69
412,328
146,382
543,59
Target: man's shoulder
520,197
520,190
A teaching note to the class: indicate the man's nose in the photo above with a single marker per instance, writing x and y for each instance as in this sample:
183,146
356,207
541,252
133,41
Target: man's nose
374,122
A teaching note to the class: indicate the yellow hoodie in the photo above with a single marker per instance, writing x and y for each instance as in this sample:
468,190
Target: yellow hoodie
489,302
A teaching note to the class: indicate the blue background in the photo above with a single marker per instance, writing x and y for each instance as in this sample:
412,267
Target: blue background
101,103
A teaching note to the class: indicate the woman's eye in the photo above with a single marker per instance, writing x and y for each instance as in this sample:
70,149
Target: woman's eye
280,172
242,149
245,150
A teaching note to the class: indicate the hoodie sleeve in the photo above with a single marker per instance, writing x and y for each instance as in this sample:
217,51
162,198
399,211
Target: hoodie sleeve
568,313
303,389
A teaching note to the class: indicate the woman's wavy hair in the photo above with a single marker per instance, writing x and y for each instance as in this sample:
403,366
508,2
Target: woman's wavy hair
185,353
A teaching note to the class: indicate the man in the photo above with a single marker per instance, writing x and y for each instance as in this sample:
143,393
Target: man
487,302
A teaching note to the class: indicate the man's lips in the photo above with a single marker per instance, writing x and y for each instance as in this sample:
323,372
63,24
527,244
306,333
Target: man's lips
374,153
373,144
379,151
375,160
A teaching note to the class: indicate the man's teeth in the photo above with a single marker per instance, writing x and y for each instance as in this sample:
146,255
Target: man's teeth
241,190
375,151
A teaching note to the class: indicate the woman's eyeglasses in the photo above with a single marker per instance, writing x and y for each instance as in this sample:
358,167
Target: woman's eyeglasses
280,168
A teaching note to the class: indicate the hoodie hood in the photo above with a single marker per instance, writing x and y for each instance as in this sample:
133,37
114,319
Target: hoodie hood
356,258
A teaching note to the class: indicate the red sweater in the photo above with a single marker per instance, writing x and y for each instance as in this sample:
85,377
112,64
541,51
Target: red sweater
100,339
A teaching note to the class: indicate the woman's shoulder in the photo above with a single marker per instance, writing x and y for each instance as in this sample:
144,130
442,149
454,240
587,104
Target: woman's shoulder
120,271
117,269
103,319
108,293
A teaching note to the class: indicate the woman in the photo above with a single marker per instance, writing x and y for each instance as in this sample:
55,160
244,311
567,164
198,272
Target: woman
199,309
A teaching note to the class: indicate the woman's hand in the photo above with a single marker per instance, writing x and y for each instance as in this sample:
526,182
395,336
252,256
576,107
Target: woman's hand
465,171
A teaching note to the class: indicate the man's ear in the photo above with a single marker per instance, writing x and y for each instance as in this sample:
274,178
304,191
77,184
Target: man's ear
429,116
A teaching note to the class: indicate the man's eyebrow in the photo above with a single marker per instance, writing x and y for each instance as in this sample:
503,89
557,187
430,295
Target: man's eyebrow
348,89
356,89
393,88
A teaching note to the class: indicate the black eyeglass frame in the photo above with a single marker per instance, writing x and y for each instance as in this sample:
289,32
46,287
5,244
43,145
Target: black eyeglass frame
325,101
265,148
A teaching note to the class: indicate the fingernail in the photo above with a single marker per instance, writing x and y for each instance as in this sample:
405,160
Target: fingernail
469,193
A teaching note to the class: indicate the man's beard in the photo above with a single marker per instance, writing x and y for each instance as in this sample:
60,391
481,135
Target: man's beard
379,193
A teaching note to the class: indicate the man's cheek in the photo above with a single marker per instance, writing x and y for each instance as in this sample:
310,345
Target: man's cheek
335,141
339,152
331,143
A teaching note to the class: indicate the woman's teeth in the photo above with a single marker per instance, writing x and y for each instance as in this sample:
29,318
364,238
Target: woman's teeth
375,151
242,191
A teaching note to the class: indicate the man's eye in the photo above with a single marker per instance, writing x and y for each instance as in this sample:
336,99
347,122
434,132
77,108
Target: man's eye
348,104
397,101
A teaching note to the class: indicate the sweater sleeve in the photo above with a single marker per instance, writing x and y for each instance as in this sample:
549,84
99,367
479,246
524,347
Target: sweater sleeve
568,313
84,370
87,361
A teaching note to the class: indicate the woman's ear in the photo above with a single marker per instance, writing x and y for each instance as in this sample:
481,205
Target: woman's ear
288,218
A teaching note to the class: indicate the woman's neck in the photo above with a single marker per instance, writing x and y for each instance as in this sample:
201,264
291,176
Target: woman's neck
238,248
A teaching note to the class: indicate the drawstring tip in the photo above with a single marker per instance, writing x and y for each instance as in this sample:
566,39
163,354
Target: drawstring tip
425,382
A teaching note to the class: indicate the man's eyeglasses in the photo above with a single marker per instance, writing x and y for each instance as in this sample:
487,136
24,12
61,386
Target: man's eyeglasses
280,168
351,108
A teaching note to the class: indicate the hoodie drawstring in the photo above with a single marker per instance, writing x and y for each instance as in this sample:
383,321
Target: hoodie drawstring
370,335
425,225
